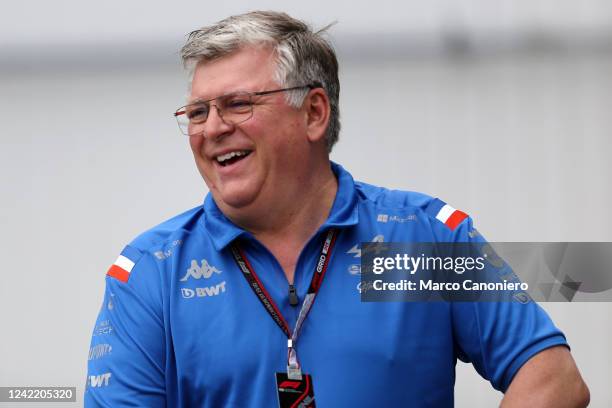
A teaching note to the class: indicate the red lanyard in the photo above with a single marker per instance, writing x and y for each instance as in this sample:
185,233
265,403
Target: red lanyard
293,367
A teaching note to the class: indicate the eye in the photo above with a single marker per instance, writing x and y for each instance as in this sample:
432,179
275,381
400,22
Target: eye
197,113
237,102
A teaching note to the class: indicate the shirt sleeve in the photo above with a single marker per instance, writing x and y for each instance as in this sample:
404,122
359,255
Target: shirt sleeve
126,358
497,337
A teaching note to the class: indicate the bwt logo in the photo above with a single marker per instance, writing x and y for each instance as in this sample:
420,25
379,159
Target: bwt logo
197,272
97,381
203,292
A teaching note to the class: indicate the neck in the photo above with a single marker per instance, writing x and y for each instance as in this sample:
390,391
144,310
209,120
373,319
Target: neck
293,215
300,212
286,237
286,225
303,216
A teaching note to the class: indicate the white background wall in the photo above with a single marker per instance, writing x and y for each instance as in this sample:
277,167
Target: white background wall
502,110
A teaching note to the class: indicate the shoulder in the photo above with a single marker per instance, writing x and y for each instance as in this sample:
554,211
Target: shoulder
156,243
391,198
168,231
435,210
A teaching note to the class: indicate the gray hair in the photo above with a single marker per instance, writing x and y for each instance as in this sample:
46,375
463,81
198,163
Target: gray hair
303,56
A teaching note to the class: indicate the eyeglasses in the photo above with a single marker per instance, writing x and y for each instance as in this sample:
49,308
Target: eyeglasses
233,108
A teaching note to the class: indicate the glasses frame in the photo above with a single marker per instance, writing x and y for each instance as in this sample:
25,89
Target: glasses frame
183,109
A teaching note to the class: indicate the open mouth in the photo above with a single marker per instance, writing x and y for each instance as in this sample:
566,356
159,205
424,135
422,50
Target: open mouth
232,157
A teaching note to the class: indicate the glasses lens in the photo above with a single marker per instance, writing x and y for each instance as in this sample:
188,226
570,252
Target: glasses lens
236,107
233,109
182,120
190,118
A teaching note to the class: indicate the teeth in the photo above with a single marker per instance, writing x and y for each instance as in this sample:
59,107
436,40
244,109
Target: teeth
229,155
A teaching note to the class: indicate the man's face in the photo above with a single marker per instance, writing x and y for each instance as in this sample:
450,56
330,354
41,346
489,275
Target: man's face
272,142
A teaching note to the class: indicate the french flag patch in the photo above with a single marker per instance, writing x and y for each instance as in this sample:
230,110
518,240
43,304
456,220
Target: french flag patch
124,264
450,216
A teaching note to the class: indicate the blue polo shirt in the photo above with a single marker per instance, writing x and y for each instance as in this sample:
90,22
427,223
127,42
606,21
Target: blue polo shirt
180,326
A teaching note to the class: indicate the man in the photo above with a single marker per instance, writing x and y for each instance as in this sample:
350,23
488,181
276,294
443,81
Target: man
202,310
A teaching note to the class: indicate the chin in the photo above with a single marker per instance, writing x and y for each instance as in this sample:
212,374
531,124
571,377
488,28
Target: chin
235,199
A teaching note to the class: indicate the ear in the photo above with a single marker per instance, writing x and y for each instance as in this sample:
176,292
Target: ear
317,111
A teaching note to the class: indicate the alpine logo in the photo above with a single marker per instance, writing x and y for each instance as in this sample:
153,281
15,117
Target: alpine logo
198,272
97,381
356,250
204,292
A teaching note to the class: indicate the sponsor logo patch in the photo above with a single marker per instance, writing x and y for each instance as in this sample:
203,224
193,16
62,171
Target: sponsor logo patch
99,351
103,328
382,217
196,271
206,291
354,269
397,218
97,381
356,249
167,253
363,287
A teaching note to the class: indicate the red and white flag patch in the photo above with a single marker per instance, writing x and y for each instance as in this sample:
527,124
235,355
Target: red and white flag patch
451,216
121,268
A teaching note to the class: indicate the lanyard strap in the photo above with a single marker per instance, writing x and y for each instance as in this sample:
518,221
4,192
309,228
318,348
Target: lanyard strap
268,303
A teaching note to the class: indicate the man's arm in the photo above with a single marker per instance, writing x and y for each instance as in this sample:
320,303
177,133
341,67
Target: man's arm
548,379
126,366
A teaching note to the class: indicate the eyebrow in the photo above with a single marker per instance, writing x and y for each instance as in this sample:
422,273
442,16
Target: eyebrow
196,101
202,100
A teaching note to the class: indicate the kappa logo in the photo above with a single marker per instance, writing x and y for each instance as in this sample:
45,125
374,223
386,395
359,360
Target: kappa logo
97,381
214,290
197,272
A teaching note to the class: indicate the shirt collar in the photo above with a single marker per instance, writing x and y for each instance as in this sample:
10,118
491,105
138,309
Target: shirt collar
343,213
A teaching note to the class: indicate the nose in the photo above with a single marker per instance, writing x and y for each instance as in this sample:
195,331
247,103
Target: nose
215,127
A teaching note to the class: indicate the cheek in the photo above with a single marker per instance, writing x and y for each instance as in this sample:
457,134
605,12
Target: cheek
273,135
196,143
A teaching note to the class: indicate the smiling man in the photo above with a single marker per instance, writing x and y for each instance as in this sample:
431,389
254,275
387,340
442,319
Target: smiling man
272,177
216,306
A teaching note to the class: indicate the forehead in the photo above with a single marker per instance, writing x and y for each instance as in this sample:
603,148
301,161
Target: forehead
247,69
